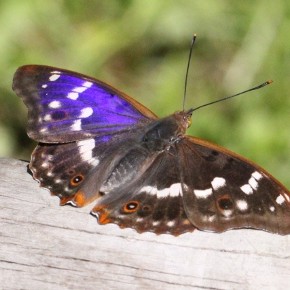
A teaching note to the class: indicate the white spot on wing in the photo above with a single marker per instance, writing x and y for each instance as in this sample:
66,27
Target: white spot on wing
257,175
170,223
227,213
87,84
247,189
218,182
280,199
54,77
85,145
173,190
202,193
211,218
149,189
44,86
272,208
44,129
253,183
44,164
72,96
54,104
242,205
156,223
95,161
79,89
49,173
86,151
208,218
77,125
86,112
47,117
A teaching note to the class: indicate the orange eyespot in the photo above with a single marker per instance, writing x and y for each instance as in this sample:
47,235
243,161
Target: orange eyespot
76,180
131,206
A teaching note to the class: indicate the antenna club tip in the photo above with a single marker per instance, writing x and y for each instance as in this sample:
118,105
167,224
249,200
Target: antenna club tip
269,82
193,38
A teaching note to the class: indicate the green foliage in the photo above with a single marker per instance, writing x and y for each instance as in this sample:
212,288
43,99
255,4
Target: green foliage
141,47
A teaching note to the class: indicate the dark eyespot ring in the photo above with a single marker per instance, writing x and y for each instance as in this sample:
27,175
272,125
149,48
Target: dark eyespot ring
146,208
131,206
225,203
76,180
71,172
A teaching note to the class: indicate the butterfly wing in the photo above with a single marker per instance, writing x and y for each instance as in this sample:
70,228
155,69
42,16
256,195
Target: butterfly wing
83,125
65,106
198,184
222,190
150,201
75,171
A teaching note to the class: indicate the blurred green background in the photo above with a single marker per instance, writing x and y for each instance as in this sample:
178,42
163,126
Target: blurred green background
141,48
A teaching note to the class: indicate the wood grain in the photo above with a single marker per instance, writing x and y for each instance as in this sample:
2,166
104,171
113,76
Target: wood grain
45,246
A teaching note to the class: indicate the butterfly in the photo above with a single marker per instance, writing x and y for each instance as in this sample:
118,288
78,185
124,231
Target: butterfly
96,144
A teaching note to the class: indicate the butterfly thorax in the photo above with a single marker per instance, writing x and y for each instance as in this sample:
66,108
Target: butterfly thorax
162,134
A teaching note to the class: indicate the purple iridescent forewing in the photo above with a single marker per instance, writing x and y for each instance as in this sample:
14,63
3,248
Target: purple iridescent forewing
82,124
65,106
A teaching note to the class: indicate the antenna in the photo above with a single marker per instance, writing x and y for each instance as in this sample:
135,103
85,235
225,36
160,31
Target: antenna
229,97
187,69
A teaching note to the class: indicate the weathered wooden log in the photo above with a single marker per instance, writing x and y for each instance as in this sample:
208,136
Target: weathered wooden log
44,246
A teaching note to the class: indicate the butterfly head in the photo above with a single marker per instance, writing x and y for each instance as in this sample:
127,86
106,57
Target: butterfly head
183,119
